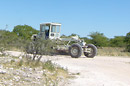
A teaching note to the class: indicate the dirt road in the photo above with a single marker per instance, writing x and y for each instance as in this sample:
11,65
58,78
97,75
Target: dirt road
98,71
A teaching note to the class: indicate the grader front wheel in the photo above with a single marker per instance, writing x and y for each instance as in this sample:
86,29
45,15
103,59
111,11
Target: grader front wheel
75,50
91,51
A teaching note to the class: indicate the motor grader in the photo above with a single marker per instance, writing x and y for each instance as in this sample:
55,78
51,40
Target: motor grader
75,46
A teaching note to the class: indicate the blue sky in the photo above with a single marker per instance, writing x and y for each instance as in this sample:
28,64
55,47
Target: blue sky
111,17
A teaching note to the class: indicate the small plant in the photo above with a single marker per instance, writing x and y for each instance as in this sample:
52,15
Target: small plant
12,61
20,63
48,65
2,50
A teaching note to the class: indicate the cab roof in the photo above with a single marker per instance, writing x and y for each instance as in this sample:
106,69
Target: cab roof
48,23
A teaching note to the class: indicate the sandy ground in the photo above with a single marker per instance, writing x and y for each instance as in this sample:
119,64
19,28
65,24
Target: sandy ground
98,71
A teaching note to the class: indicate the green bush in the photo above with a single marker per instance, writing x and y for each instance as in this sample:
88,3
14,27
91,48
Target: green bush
117,41
127,40
98,39
48,65
10,40
128,48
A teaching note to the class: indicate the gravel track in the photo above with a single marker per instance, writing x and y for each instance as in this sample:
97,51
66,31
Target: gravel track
98,71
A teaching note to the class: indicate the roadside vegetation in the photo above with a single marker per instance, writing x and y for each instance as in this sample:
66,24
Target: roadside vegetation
22,70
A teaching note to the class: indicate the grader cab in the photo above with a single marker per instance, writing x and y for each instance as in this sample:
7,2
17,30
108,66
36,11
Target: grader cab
50,30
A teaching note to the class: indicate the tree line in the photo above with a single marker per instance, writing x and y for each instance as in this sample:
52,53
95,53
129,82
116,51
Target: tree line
17,38
21,35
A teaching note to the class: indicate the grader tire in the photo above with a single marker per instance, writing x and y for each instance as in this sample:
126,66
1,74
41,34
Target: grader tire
93,51
75,50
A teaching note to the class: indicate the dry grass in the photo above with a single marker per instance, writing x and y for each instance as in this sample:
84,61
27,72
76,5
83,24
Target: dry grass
52,74
112,51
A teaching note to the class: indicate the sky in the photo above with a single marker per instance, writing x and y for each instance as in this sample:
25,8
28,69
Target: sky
82,17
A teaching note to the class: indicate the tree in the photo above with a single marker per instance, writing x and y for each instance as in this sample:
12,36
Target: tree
127,40
63,36
118,41
73,34
98,39
24,31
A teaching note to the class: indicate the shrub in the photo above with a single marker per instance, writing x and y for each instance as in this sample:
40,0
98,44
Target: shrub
48,65
10,40
128,48
117,41
40,47
127,40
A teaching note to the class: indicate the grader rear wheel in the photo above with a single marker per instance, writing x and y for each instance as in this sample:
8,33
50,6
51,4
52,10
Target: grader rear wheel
75,50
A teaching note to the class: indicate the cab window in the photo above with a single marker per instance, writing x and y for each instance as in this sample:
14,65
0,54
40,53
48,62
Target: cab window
55,29
44,27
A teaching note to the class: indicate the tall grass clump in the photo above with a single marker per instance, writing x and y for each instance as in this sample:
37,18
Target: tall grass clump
112,51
